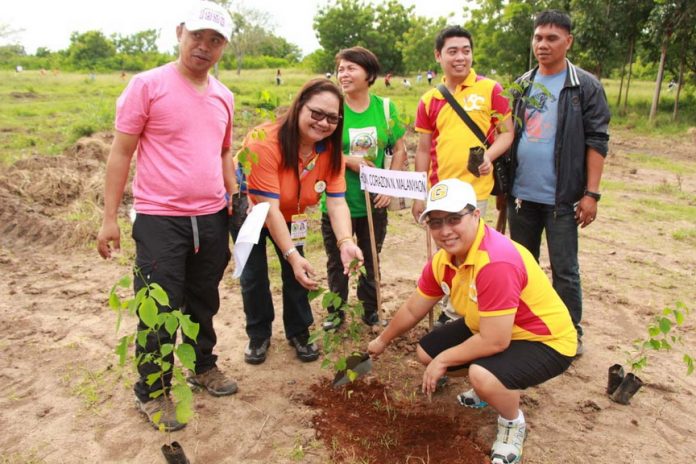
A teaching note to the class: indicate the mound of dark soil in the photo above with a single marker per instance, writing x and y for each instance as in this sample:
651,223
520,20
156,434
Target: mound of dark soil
363,423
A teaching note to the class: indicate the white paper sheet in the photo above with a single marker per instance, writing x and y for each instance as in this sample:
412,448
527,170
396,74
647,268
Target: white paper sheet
249,236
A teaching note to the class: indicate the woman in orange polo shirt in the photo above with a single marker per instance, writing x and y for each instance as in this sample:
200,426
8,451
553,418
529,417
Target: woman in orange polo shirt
298,158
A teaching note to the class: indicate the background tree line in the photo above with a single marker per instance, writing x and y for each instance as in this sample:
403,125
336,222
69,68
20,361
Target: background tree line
622,39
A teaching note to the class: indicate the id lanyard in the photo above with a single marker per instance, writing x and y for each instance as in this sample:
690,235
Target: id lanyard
300,222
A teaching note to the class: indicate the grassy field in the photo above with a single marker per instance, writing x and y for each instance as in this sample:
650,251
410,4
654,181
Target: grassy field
45,113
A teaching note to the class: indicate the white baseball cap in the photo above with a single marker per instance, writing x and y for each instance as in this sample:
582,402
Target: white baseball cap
209,15
450,195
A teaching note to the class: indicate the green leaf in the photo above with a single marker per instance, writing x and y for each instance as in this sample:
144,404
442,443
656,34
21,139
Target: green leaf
341,364
156,419
679,317
166,349
166,366
188,327
186,355
156,393
325,363
352,375
313,294
114,301
182,392
171,323
337,302
653,331
689,361
152,378
327,299
665,325
142,338
148,312
122,350
655,344
314,336
184,412
158,293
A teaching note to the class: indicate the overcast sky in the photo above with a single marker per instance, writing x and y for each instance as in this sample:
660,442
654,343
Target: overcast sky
49,23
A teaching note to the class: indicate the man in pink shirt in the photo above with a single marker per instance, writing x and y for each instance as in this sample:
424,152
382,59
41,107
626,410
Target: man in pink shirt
179,119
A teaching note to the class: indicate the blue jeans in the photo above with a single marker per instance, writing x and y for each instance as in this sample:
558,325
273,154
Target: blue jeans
256,287
526,226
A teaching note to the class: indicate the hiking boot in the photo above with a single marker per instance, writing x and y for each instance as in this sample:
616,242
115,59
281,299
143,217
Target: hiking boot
469,399
256,350
306,351
370,318
214,381
161,413
334,321
507,448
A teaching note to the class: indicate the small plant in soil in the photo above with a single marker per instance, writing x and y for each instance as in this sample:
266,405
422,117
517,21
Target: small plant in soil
151,304
338,345
664,334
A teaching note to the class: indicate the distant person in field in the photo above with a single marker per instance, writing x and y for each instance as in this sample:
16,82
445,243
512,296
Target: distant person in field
429,75
387,80
371,130
406,83
179,119
445,140
278,78
514,331
561,140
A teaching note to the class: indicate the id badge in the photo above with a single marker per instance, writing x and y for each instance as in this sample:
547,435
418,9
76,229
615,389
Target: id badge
298,229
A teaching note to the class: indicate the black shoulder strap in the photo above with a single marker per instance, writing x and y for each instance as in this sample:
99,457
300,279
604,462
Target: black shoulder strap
462,114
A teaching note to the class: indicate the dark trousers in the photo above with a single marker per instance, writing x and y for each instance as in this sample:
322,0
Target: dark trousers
526,227
165,255
256,287
338,282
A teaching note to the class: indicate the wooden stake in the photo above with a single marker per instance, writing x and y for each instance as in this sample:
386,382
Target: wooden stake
429,247
375,258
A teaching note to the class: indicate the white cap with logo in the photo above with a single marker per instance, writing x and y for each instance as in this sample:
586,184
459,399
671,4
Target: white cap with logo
449,195
209,15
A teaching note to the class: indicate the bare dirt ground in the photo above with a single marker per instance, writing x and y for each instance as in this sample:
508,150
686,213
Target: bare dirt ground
65,399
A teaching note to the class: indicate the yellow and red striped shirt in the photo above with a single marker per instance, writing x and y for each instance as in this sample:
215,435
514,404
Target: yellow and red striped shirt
500,277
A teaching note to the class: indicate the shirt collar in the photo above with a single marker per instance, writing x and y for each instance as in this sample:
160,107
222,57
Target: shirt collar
468,82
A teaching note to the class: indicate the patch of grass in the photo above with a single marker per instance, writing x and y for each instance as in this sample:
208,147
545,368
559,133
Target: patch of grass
665,209
648,161
687,235
90,386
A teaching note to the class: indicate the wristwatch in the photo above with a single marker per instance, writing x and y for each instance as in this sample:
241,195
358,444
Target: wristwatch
595,195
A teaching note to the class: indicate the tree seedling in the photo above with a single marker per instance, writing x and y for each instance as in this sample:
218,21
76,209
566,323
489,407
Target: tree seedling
338,346
663,334
151,305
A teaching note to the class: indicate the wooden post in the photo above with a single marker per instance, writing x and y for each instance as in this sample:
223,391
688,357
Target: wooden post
429,247
375,258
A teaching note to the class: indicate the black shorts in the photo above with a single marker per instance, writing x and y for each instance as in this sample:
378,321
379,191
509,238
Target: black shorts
523,364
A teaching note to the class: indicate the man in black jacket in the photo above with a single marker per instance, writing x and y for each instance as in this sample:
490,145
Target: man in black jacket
561,139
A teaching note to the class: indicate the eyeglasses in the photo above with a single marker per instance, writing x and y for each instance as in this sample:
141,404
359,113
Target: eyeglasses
450,219
318,115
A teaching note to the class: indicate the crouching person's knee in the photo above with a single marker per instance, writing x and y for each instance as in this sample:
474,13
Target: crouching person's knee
423,357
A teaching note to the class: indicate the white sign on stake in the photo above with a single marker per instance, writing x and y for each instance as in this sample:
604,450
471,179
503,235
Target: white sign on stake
402,184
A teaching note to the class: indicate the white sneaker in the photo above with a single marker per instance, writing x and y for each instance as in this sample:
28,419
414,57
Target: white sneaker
507,448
